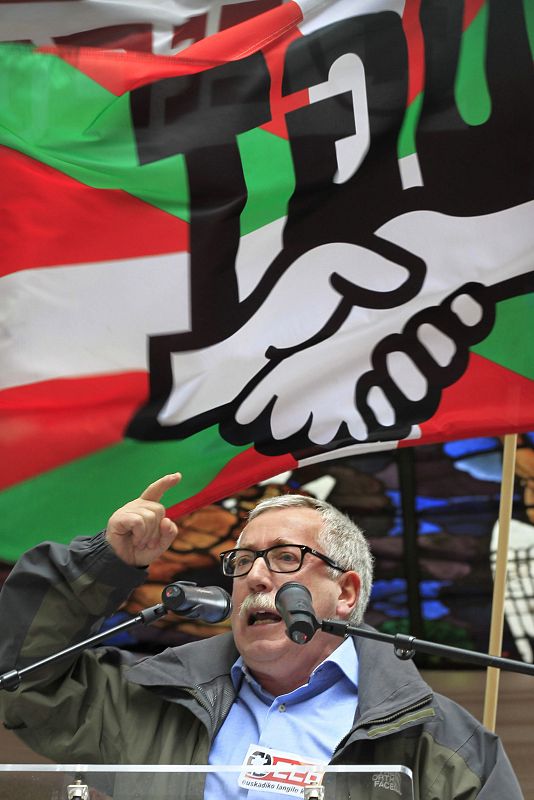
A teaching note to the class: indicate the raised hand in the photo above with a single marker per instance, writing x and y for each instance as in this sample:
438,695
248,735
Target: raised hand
139,532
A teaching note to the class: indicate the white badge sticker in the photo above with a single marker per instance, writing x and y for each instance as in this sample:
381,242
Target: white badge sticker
266,770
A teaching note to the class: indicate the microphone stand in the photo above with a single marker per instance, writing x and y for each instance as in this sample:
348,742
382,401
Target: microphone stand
11,680
406,646
181,597
293,602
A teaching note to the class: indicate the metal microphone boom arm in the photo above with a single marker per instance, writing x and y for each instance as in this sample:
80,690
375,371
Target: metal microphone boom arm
211,604
294,604
11,680
406,646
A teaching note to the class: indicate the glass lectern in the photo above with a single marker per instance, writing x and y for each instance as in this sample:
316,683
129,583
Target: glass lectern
169,782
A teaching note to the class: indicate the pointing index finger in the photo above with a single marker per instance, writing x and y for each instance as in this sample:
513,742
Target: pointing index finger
157,489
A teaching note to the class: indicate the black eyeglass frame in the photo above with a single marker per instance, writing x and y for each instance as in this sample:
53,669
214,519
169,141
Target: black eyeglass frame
262,553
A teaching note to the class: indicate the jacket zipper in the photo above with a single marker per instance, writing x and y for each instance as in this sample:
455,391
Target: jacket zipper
389,718
401,711
197,693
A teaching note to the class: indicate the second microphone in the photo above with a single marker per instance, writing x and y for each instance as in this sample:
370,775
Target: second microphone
208,603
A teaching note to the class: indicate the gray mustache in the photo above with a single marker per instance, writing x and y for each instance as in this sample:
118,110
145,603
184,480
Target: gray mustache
257,602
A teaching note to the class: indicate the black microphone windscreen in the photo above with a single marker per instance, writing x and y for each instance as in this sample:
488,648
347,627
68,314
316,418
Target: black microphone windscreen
294,604
209,603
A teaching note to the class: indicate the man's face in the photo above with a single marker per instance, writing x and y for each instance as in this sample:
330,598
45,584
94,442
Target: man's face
277,662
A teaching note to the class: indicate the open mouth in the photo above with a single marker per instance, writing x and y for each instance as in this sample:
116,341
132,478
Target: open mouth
263,618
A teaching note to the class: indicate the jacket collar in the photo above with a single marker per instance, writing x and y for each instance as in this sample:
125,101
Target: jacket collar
386,691
391,698
382,692
192,664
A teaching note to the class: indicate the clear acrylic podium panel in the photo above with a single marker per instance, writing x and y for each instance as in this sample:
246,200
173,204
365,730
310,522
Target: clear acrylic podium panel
169,782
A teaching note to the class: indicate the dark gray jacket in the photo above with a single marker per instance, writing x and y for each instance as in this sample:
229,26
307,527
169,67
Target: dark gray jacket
166,709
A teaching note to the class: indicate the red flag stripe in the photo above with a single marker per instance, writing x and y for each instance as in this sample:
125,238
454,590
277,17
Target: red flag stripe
119,74
512,398
471,9
85,414
246,469
103,224
416,49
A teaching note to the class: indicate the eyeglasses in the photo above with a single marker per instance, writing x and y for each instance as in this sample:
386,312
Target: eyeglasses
279,558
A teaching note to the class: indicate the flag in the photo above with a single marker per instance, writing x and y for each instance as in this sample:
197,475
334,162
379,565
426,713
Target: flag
302,236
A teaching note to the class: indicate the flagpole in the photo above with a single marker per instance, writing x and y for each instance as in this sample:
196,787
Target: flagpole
499,583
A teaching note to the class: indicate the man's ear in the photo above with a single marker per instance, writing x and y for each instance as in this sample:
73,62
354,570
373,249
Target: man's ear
349,585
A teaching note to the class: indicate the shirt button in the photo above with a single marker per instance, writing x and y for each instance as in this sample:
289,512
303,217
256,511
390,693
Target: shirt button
282,707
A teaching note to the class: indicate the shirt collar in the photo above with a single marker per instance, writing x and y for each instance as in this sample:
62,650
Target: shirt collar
342,661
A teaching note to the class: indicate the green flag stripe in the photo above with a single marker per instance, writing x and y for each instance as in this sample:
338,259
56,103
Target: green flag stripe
508,342
58,115
78,497
269,176
406,141
471,89
529,17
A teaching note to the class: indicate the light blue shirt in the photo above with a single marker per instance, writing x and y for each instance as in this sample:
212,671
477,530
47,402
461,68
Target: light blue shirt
308,722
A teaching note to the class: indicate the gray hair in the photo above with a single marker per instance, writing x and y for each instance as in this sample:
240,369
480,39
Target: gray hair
339,538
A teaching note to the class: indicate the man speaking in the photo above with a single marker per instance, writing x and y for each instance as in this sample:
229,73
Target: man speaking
252,696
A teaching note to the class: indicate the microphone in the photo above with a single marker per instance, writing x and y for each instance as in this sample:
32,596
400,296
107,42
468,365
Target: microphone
209,603
294,604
